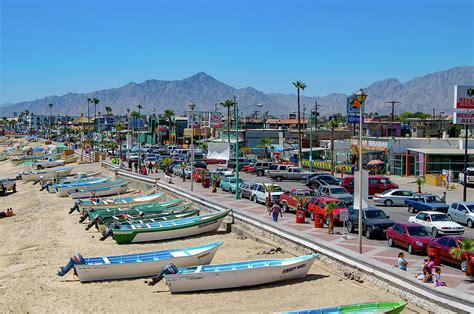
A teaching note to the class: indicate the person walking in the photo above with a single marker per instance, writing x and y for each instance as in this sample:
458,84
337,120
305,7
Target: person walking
150,167
276,211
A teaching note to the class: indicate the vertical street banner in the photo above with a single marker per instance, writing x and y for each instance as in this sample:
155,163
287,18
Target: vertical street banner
365,190
216,120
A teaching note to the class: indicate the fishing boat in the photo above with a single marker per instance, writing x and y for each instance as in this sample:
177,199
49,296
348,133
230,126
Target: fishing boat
70,159
115,189
156,208
163,230
64,189
72,178
50,173
137,265
143,219
3,158
239,274
123,202
362,308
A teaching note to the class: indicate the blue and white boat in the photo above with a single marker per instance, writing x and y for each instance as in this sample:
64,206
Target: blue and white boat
46,174
137,265
113,188
63,189
240,274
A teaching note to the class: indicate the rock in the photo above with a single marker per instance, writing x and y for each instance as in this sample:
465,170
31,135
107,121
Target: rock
351,277
347,274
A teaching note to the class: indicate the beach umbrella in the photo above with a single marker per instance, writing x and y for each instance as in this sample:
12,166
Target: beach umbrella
375,162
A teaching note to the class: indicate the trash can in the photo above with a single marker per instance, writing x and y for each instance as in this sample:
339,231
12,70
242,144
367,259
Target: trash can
436,253
206,182
318,220
300,216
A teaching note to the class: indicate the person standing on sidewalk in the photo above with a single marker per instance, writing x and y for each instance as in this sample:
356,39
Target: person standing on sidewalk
402,262
276,211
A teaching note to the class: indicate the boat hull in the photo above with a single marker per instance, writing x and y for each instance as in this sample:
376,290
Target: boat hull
139,200
145,235
64,190
98,193
47,174
366,308
228,279
201,256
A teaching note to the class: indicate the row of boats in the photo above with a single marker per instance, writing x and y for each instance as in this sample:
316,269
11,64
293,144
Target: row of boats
157,217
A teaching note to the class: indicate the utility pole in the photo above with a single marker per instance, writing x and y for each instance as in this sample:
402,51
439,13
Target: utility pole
316,114
393,103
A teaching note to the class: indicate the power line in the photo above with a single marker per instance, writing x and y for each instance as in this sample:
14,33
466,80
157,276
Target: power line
393,103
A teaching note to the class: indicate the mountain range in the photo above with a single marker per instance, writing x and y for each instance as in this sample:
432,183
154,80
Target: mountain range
423,93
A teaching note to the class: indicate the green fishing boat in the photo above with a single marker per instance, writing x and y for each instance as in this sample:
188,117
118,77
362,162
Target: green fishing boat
362,308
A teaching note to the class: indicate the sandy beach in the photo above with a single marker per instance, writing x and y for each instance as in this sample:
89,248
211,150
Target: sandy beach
42,236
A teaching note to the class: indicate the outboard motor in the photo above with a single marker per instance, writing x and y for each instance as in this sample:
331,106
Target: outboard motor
45,186
166,270
74,260
83,217
75,207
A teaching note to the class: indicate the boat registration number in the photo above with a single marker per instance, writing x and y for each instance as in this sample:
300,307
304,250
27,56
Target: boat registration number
287,270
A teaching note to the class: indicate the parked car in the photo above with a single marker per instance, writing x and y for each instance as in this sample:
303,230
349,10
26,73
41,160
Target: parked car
133,157
462,212
293,173
6,185
393,197
324,179
377,184
260,167
231,163
277,167
246,189
424,202
214,161
224,171
444,244
247,167
289,199
317,205
229,184
200,164
196,176
311,175
374,221
437,223
260,192
467,176
336,191
411,236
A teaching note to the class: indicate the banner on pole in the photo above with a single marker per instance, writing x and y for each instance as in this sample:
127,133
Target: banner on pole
463,97
216,120
365,190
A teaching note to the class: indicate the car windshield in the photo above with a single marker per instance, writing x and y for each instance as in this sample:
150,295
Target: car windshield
339,204
338,191
375,214
417,232
306,193
470,172
274,189
433,199
385,181
439,217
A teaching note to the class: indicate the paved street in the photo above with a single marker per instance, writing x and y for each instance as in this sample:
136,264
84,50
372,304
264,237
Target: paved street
376,249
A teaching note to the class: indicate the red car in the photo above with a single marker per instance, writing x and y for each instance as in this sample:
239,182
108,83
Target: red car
247,167
377,184
317,205
197,174
445,244
411,236
213,161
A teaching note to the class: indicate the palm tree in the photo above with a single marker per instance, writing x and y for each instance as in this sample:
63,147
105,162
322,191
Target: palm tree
119,127
168,115
332,124
228,103
420,181
89,101
465,249
266,142
299,85
108,110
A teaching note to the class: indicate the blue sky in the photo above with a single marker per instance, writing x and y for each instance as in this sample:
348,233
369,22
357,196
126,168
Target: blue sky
51,47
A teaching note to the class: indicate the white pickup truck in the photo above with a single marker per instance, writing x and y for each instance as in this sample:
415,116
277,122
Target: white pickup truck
260,192
292,173
47,163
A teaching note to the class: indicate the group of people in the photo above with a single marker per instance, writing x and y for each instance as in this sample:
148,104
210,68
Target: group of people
144,168
429,274
8,213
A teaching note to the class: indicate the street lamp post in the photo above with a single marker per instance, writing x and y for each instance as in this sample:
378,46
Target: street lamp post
128,134
236,107
192,105
361,95
138,138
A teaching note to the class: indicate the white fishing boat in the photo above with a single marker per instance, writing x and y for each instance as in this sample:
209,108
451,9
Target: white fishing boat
137,265
115,189
50,173
64,189
240,274
121,202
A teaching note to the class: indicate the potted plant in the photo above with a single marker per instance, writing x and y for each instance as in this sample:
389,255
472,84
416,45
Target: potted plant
202,174
464,253
330,206
419,182
216,178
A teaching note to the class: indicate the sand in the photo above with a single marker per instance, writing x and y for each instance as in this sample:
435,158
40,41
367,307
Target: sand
42,236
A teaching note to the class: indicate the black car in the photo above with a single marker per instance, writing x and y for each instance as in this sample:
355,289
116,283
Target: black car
324,179
374,221
231,163
200,164
246,189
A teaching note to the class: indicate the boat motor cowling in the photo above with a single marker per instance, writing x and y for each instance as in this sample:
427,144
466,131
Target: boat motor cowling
74,260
